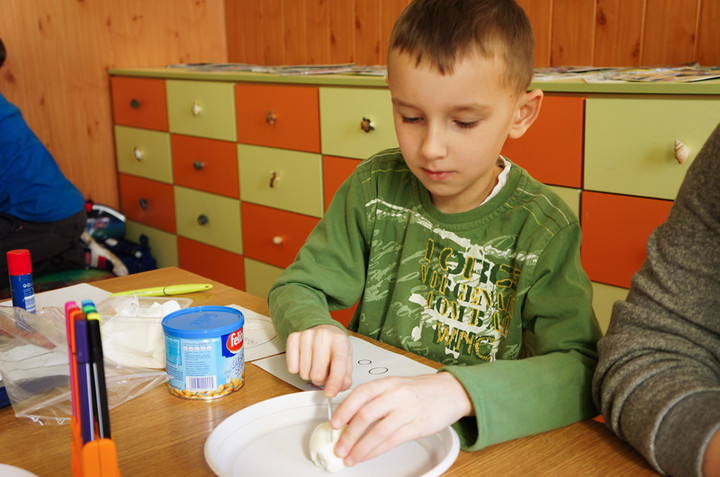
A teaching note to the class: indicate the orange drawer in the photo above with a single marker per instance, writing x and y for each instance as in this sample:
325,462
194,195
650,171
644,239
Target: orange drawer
273,236
205,164
148,202
139,102
278,116
552,149
213,263
615,232
335,171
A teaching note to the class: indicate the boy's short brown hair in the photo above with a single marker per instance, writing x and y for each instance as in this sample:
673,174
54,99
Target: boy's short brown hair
441,30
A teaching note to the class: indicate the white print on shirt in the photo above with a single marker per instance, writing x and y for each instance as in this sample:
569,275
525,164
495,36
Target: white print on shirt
467,291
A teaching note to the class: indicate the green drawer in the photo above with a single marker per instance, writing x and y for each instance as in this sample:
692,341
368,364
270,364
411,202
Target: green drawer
629,142
163,245
143,153
259,277
342,110
201,108
604,298
208,218
281,178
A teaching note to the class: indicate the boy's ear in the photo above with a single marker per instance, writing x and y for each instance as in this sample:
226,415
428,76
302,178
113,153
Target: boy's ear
526,113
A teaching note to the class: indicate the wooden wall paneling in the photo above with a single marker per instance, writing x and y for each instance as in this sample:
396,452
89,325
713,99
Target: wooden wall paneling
708,40
341,22
318,31
669,32
573,27
539,12
272,32
235,18
618,32
367,32
165,31
390,10
294,32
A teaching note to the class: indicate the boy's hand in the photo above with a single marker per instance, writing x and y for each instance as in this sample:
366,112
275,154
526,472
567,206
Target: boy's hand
402,409
323,355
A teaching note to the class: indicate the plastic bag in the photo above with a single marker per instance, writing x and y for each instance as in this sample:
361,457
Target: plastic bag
35,370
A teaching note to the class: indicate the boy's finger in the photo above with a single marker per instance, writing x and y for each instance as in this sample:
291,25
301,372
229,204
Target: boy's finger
291,354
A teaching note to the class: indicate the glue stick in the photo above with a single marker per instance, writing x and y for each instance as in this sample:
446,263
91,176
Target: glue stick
21,284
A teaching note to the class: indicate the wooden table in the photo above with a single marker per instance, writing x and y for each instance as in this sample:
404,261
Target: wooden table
160,434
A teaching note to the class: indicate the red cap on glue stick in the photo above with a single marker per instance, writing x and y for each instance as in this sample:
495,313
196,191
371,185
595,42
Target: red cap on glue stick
19,262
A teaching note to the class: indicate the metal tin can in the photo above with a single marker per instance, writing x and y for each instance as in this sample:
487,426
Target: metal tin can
204,353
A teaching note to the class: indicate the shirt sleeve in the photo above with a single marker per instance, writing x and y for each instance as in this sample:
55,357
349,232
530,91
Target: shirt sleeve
550,387
658,379
329,270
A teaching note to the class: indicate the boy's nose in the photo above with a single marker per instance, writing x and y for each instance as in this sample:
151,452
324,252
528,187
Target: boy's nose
433,146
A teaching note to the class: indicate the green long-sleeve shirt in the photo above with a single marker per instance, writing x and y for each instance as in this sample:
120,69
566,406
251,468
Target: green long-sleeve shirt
496,294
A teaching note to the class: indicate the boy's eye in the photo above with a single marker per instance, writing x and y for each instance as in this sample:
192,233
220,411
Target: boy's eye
466,124
410,119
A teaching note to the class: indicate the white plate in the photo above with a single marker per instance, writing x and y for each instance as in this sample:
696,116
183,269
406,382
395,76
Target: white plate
7,470
271,438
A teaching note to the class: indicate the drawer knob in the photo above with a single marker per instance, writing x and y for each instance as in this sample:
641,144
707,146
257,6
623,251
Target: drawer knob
681,152
273,178
195,109
277,240
367,125
137,152
143,203
202,219
134,103
270,117
198,165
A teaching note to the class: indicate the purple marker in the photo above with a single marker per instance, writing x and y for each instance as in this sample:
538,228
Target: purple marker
85,388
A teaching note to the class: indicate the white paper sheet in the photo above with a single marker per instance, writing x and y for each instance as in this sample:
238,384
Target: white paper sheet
369,362
58,297
261,340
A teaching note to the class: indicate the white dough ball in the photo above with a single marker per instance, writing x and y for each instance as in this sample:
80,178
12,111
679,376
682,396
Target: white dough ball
322,445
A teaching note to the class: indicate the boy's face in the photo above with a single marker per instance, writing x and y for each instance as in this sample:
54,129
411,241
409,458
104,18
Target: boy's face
451,127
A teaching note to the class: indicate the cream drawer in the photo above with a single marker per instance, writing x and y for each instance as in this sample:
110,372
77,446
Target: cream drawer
629,142
201,108
259,277
143,153
208,218
343,114
280,178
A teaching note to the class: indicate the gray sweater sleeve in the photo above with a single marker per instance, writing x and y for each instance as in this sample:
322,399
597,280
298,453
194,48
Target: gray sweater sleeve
658,379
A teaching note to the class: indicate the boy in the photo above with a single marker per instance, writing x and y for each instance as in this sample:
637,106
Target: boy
455,253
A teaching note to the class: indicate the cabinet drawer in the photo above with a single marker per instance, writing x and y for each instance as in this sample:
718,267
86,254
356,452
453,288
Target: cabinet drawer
279,178
201,108
278,116
139,102
213,263
615,231
259,277
629,142
274,236
552,149
205,164
335,171
143,153
148,202
208,218
163,245
342,112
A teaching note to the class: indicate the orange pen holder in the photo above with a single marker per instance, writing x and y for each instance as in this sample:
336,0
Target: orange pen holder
96,458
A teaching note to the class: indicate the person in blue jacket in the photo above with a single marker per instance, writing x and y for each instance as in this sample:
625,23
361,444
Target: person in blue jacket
40,210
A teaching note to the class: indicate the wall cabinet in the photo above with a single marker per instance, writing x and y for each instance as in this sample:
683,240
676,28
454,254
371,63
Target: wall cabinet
228,173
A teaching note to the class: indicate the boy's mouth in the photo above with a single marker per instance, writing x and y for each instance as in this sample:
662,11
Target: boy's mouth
437,175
